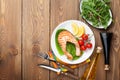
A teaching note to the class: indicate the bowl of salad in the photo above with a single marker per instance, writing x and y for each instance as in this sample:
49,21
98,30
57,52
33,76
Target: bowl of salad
96,12
72,42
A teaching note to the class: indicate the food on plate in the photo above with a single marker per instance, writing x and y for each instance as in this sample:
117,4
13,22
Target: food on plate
96,12
77,30
83,47
81,31
89,45
70,47
72,44
84,42
81,42
64,37
59,49
85,36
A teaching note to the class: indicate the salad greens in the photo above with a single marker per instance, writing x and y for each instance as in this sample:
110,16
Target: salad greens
96,11
106,1
72,50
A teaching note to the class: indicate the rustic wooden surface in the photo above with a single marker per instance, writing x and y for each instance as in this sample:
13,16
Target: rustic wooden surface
35,32
10,40
26,27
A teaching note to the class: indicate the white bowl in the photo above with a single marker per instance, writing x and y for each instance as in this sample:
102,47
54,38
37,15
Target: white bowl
67,25
101,26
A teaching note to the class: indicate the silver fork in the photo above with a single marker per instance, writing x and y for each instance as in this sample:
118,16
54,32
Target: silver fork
45,56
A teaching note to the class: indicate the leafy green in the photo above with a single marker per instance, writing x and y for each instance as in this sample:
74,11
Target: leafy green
59,49
106,1
70,47
96,11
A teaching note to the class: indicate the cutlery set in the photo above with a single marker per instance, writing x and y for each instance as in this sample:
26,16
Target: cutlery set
62,69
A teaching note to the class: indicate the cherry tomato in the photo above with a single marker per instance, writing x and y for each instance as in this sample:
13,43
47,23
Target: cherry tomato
81,42
89,45
85,36
83,47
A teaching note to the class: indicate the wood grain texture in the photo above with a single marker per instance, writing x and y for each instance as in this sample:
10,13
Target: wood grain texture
114,73
26,27
100,74
61,10
10,39
35,38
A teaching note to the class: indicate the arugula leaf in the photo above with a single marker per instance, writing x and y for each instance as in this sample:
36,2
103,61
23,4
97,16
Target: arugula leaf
96,11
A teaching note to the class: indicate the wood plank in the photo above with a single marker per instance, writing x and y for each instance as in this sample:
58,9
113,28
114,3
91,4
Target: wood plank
100,73
10,39
35,38
61,10
114,73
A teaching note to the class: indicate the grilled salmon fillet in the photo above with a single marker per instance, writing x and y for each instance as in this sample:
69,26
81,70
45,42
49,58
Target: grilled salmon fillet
64,37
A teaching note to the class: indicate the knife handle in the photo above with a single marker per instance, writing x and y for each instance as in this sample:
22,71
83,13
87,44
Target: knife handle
62,65
70,75
68,68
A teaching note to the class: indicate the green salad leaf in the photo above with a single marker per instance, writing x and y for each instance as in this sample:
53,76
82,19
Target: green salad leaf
70,47
96,11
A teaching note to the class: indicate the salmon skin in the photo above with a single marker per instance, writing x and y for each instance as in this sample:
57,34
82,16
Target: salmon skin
64,37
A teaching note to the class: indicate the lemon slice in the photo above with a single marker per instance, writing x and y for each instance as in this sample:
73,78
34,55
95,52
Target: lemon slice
81,31
75,28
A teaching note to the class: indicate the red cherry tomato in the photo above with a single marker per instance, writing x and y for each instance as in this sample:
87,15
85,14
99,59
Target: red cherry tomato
83,47
85,36
81,42
89,45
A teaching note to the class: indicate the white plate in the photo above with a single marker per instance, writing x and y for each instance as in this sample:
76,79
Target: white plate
67,25
99,27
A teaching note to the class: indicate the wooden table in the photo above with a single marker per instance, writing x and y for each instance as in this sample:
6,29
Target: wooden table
26,27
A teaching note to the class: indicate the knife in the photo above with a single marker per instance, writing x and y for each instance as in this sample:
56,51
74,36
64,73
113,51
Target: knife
58,70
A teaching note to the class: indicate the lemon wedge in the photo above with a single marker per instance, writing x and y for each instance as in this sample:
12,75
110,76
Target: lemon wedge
81,31
75,28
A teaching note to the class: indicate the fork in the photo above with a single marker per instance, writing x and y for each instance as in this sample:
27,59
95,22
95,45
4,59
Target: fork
45,56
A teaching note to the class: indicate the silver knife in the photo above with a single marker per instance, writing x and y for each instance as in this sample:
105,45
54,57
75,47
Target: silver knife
58,70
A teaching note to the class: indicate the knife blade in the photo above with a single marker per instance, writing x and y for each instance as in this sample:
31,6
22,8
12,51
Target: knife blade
49,68
58,71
